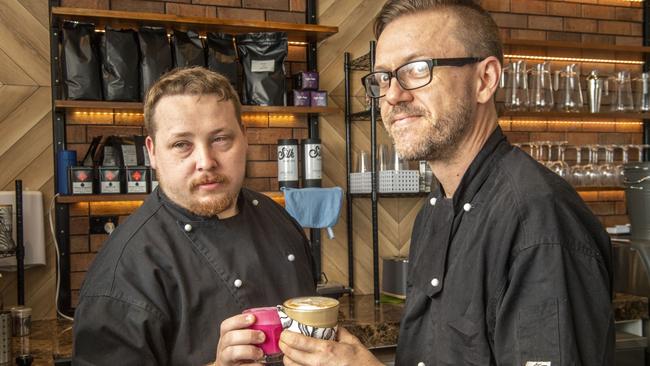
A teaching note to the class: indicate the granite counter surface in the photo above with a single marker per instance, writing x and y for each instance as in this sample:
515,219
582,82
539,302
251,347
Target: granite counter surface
377,326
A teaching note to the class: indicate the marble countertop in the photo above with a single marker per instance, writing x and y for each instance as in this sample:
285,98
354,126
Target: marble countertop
377,326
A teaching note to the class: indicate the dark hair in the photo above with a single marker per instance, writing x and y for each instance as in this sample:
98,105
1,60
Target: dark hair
476,29
188,81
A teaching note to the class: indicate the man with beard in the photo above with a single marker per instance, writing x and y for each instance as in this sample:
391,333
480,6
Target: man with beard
167,286
507,265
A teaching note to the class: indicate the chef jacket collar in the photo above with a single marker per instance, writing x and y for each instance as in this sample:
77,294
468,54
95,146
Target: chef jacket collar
478,171
188,215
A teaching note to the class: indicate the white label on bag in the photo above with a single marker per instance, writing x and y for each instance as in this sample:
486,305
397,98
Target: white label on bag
538,363
110,187
82,188
136,187
263,65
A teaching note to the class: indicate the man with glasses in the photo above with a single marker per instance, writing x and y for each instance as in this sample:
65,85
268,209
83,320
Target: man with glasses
507,265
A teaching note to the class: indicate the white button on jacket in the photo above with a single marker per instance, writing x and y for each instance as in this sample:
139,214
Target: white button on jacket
188,227
432,201
238,283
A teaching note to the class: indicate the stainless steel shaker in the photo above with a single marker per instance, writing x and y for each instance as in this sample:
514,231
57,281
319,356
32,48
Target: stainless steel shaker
595,85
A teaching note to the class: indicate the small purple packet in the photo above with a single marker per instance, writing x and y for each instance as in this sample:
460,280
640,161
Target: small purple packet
301,98
306,80
319,98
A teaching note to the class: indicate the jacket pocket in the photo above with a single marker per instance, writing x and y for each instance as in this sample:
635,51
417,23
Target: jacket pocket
467,343
538,337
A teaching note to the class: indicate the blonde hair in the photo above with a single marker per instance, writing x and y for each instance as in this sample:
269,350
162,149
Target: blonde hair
188,81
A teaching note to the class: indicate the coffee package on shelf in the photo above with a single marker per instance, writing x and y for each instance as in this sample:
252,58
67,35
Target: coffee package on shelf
187,49
80,66
155,56
120,60
222,56
262,56
306,80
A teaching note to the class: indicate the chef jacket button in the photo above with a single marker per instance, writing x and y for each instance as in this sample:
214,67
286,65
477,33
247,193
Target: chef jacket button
291,257
435,282
255,202
187,227
433,201
238,283
421,364
467,207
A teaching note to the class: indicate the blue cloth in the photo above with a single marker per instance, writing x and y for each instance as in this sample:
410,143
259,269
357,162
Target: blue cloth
314,207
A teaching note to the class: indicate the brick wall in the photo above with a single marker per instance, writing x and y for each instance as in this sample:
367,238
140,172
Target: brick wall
263,129
615,22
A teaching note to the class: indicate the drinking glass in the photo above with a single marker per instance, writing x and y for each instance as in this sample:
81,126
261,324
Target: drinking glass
607,171
595,86
384,158
268,321
363,162
577,171
569,90
560,166
541,87
622,97
516,86
620,168
642,86
591,174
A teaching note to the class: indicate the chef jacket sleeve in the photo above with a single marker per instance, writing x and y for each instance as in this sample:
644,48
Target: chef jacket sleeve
111,331
555,308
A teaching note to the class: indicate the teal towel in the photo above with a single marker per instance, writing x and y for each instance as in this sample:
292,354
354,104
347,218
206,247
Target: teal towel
314,207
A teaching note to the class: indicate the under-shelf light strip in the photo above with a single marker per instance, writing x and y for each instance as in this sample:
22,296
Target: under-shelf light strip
575,59
125,114
572,122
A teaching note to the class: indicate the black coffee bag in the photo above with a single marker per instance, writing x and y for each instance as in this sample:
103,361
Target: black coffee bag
120,71
262,57
188,49
222,56
81,66
155,56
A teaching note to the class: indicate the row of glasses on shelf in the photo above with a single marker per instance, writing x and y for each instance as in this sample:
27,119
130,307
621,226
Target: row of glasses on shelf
540,89
594,165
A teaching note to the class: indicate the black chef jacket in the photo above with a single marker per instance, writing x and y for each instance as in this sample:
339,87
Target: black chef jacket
165,280
513,270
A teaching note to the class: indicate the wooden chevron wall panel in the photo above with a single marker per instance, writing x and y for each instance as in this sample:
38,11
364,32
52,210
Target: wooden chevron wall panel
26,132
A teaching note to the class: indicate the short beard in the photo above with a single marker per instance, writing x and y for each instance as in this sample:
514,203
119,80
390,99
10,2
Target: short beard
439,139
209,207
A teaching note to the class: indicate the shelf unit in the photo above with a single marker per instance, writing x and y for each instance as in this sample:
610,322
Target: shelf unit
307,34
366,63
363,63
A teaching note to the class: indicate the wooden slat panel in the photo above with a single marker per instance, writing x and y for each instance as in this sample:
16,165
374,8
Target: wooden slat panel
12,96
37,9
25,40
11,73
23,118
28,148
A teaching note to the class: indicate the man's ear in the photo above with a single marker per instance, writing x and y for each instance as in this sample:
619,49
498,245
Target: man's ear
152,152
489,73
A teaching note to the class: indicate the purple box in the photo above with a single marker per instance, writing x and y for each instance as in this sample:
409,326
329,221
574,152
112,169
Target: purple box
306,80
319,98
301,98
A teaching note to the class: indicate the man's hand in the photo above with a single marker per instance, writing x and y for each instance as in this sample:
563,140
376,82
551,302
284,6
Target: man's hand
306,351
237,343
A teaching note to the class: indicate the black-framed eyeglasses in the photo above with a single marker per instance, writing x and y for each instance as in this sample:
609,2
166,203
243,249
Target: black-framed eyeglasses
412,75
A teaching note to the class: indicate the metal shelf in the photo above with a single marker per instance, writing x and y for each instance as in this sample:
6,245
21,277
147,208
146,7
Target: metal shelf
361,63
137,106
391,195
120,19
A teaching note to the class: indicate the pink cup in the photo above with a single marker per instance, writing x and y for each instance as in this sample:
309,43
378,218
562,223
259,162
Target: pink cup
268,321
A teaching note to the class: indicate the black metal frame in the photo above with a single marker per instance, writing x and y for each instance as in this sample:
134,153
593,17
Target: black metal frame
61,215
312,65
646,67
366,62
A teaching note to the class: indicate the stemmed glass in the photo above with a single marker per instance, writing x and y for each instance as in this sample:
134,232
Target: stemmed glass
591,170
577,171
607,171
560,166
620,168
